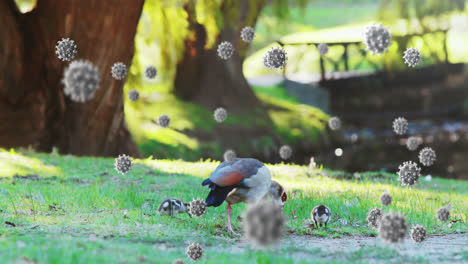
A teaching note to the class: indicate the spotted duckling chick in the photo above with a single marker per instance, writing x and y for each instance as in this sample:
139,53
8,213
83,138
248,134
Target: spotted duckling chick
321,215
173,206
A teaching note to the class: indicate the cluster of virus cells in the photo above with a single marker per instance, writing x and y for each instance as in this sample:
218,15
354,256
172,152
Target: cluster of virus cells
409,173
334,123
197,208
400,125
443,214
385,199
418,233
322,48
373,217
225,50
412,143
81,80
427,156
66,49
164,120
377,39
412,57
229,155
194,251
275,58
220,114
393,228
285,152
133,95
123,164
150,72
263,223
247,34
119,71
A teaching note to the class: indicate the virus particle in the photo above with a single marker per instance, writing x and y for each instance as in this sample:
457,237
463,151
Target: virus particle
275,58
412,57
66,49
377,39
418,233
150,72
412,143
373,217
427,156
393,228
400,125
119,71
81,80
229,155
220,114
338,152
133,95
123,164
194,251
263,223
322,48
285,152
197,208
164,120
409,173
225,50
385,199
178,261
334,123
443,214
247,34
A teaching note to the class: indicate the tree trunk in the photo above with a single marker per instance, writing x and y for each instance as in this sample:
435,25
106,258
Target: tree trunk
33,108
204,78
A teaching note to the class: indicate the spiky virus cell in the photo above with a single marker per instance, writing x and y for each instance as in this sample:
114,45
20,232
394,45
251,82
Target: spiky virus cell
285,152
229,155
178,261
194,251
275,58
393,228
377,39
443,214
150,72
66,49
133,95
225,50
81,80
385,199
427,156
247,34
412,143
123,164
400,125
334,123
412,57
418,233
197,207
322,48
220,114
119,71
263,223
373,217
164,120
409,173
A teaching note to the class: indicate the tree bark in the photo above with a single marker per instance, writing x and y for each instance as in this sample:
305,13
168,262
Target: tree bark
204,78
34,109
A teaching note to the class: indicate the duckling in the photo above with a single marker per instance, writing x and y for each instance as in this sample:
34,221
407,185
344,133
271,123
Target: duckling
173,206
321,215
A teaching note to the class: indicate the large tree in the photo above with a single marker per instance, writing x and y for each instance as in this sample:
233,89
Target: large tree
33,108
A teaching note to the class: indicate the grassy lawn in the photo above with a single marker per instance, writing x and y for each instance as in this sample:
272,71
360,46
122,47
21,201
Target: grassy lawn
80,210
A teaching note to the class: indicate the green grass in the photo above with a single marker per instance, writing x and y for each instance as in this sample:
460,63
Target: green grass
91,214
